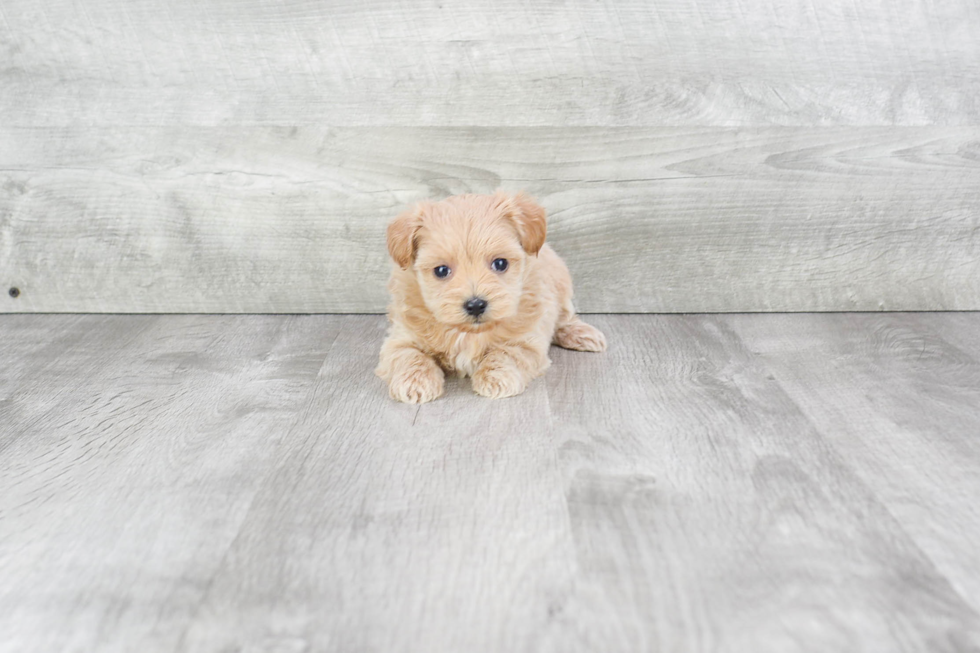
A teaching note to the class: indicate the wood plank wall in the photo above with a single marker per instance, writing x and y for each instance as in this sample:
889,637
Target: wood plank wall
694,155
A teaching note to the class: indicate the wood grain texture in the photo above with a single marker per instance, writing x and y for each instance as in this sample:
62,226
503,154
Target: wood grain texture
712,483
269,219
698,155
711,514
130,451
473,517
490,62
897,396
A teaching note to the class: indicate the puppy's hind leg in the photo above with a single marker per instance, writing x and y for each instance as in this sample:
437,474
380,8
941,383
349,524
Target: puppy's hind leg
579,336
572,333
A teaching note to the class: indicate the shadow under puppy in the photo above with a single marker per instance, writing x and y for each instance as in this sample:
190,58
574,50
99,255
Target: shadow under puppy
476,291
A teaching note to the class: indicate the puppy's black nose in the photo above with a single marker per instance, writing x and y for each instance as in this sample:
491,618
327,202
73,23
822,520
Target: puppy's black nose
475,306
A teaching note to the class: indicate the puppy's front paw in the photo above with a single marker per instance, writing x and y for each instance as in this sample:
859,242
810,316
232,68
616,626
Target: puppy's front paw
497,381
417,383
580,336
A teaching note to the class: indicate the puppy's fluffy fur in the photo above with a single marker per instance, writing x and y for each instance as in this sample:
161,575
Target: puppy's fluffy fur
528,304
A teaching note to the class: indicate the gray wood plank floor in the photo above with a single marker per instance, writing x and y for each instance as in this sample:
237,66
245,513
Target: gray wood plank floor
712,483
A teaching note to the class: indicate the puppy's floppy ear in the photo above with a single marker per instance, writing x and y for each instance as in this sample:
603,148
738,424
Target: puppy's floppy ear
532,225
402,232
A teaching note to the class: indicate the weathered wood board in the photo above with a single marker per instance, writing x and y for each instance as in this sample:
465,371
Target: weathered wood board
697,155
275,219
490,62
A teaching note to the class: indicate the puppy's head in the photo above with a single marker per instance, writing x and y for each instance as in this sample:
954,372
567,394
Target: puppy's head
469,254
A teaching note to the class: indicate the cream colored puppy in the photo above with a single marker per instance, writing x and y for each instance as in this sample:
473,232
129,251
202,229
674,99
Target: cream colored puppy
475,290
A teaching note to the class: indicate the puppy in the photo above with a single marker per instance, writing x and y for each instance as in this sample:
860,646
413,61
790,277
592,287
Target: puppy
475,290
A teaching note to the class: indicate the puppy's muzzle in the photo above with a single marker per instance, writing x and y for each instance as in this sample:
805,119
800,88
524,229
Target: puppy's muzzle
475,306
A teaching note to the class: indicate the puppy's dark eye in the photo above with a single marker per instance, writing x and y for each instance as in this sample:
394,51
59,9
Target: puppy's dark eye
500,264
442,271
